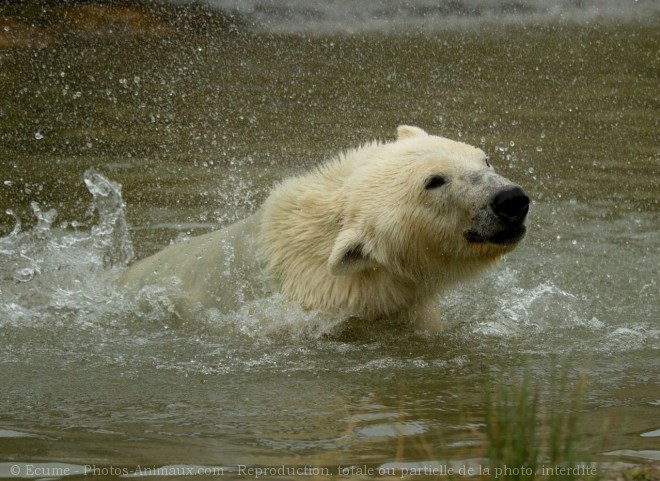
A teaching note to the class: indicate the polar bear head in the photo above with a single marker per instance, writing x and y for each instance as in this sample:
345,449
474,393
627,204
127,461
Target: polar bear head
380,230
425,206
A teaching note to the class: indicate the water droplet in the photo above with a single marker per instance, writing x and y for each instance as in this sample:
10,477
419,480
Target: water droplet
38,135
539,149
530,170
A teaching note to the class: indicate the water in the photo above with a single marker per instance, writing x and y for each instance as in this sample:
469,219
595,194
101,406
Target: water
392,16
195,120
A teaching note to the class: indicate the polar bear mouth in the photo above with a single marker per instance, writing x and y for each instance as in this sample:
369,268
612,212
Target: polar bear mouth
504,237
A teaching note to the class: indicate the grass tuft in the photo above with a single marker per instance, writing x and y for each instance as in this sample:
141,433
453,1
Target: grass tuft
534,433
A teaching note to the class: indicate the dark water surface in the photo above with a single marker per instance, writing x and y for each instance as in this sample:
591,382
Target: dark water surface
196,113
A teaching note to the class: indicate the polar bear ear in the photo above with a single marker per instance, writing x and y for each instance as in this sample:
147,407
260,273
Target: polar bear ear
348,255
407,131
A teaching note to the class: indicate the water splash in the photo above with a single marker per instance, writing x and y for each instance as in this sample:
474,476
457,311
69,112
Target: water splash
510,308
111,233
44,219
57,273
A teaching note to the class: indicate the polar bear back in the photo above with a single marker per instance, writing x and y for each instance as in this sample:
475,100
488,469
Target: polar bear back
218,269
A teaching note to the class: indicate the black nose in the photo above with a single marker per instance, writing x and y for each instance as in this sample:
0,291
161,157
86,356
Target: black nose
510,205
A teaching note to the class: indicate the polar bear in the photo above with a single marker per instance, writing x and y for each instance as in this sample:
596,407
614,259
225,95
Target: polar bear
378,232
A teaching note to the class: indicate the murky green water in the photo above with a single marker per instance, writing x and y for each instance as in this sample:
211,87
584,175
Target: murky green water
197,123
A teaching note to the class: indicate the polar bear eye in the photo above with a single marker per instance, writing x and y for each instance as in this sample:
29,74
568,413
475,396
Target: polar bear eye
487,159
434,182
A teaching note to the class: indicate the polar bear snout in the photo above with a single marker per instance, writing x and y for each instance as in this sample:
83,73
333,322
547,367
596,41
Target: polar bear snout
501,221
510,205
